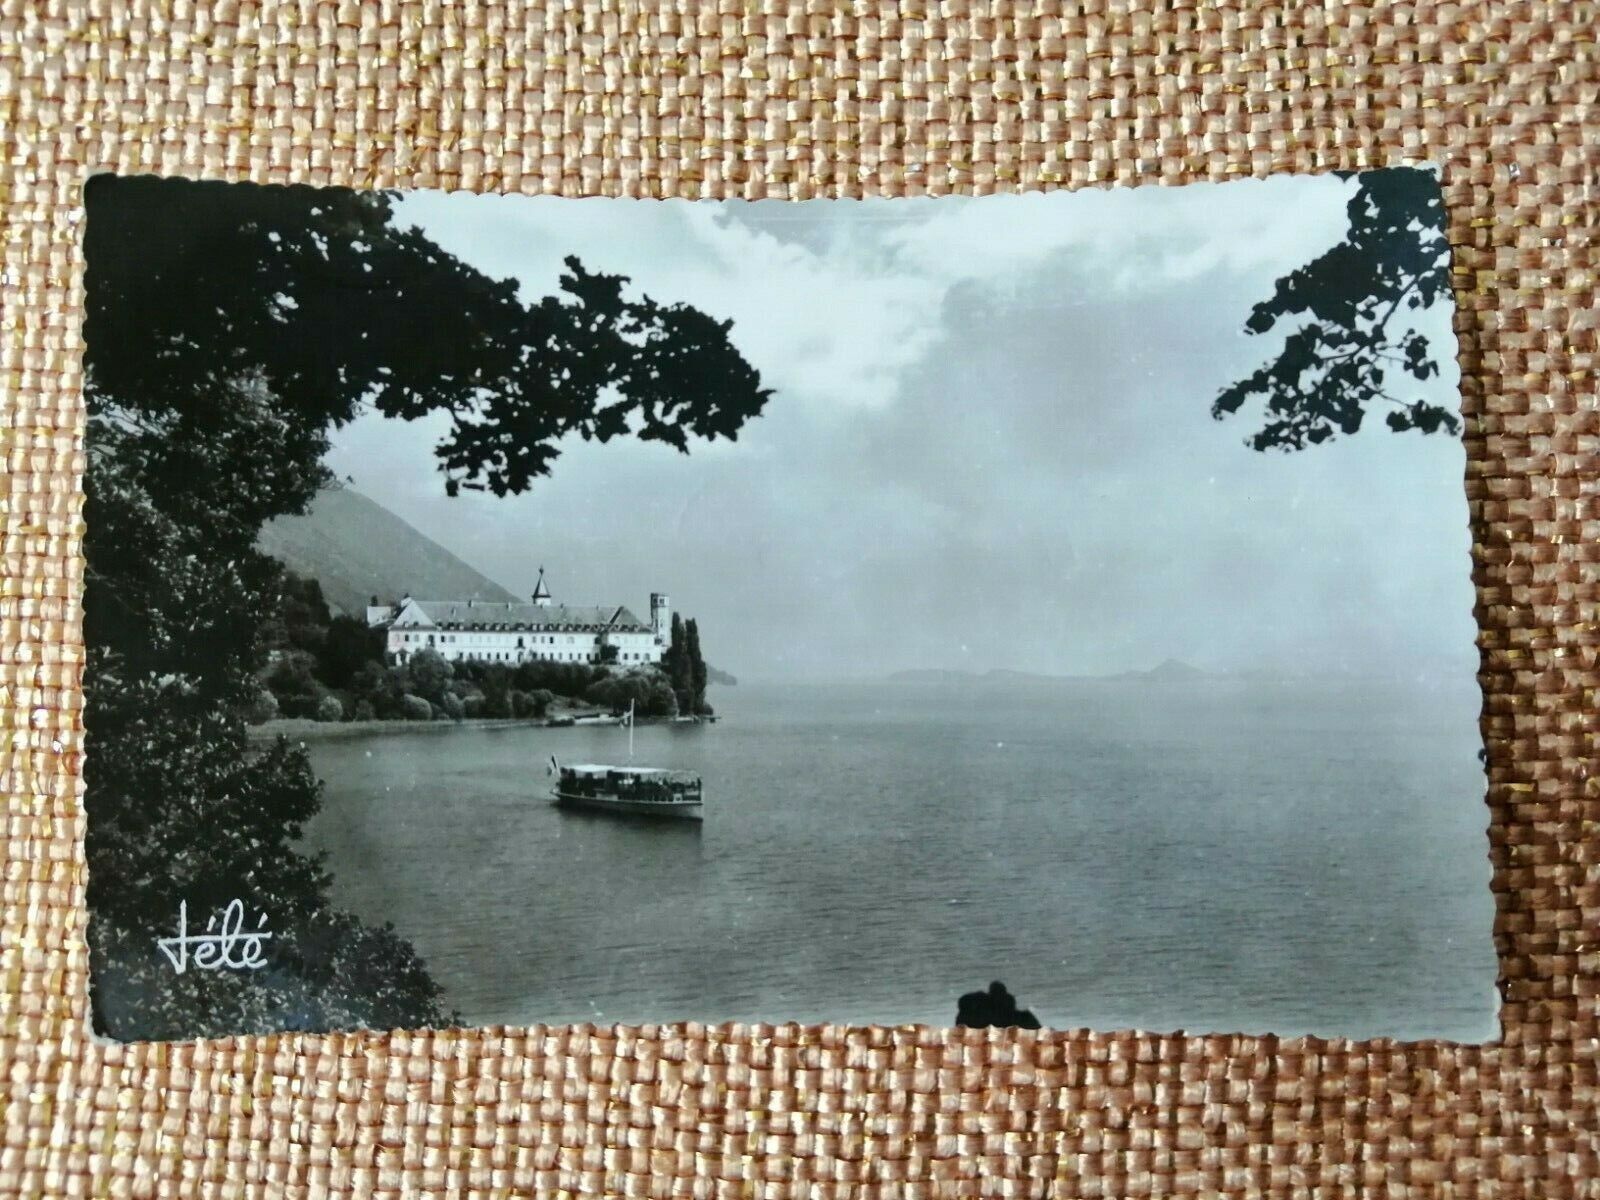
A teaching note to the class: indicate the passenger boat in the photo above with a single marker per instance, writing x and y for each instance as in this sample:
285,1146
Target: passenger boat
635,791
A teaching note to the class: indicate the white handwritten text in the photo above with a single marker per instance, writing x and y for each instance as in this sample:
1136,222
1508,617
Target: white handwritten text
217,948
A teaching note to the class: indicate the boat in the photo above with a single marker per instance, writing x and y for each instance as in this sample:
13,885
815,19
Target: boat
634,791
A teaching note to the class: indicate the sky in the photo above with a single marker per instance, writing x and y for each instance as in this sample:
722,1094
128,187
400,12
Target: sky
989,446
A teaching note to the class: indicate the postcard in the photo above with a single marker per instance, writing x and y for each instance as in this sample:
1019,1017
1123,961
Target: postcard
1040,611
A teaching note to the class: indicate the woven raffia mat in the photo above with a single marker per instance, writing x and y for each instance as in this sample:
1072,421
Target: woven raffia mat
752,99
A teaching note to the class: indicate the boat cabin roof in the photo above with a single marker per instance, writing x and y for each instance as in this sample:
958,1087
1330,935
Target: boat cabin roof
602,769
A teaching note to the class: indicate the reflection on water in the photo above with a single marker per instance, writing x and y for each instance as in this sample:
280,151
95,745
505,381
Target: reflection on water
1213,856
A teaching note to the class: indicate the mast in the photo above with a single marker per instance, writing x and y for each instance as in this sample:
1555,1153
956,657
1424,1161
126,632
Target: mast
630,730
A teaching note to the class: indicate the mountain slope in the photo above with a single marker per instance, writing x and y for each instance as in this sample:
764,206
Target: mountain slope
1170,671
356,548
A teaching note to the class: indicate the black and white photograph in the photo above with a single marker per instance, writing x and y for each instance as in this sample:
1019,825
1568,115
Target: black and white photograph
1045,610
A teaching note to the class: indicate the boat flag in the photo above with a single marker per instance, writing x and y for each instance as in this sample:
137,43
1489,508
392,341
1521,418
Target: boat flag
554,767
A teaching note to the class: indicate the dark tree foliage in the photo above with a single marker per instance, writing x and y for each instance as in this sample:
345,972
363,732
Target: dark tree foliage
300,620
347,647
684,668
675,660
228,329
293,682
194,285
561,678
1353,344
646,690
430,674
697,667
494,680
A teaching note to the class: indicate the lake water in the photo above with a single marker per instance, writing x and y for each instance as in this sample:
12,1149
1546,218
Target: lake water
1211,856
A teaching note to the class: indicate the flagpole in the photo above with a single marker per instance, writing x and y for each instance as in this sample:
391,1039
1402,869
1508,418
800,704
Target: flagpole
630,730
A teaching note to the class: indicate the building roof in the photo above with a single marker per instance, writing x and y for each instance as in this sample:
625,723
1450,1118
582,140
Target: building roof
540,592
492,614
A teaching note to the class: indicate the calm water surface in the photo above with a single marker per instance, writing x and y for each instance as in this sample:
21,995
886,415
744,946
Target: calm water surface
1213,856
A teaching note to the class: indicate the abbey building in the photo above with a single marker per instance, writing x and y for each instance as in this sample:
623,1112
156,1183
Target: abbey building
496,631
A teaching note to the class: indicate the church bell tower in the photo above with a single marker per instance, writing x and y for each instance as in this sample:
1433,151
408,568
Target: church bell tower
661,618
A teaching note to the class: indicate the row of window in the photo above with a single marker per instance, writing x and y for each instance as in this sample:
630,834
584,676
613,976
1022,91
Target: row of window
546,655
452,639
524,656
475,640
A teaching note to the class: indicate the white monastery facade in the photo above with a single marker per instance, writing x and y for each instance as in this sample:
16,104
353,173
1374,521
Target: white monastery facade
516,632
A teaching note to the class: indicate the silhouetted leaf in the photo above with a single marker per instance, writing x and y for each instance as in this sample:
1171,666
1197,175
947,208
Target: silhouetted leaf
1329,369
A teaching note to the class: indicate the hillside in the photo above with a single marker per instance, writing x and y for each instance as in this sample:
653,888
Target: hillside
1170,671
357,548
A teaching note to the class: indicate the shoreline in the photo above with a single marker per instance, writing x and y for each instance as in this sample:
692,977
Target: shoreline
307,729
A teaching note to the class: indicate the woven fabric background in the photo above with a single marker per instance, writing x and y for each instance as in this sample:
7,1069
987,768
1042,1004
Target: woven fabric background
751,98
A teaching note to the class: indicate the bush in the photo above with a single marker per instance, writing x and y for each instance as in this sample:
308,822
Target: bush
474,705
453,706
430,675
291,681
364,711
262,709
496,690
527,705
329,709
415,708
380,688
649,693
562,678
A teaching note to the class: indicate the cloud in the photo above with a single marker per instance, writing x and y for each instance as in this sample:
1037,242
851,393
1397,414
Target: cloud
990,444
826,332
1127,238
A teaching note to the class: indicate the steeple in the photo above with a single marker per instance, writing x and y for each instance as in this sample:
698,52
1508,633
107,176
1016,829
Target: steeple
541,594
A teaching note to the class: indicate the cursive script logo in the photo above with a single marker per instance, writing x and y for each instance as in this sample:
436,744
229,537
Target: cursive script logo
217,948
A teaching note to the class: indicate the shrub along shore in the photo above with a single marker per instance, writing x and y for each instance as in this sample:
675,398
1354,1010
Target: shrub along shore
310,729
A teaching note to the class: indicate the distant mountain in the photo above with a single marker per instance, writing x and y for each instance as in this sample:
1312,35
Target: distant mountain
934,675
1002,675
721,677
1170,671
356,548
